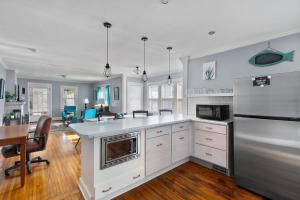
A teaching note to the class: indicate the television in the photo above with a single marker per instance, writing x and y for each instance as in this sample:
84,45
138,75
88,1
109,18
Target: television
2,84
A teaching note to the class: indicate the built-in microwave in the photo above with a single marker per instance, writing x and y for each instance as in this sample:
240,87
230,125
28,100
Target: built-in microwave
119,148
214,112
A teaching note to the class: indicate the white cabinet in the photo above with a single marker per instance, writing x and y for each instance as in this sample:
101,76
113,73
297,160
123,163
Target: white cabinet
210,154
180,127
158,131
211,139
211,143
180,145
118,182
210,127
158,153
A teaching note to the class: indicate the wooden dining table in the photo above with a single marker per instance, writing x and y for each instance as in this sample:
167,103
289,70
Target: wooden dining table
16,135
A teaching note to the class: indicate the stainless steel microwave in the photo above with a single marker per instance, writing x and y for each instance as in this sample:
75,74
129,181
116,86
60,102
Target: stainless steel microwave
214,112
119,148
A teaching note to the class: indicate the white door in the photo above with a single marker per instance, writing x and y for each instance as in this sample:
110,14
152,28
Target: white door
134,96
40,100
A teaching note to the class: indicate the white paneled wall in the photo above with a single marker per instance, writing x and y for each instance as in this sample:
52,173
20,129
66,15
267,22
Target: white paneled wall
193,101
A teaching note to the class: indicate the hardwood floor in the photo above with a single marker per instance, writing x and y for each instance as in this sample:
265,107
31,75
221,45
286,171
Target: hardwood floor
59,180
56,181
190,181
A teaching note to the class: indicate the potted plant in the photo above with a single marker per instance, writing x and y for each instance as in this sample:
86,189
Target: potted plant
9,97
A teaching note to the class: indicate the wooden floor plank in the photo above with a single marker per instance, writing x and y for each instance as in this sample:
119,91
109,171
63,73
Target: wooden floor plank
59,180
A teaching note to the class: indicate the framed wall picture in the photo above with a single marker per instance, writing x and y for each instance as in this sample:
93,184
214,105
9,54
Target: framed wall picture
209,70
2,86
116,93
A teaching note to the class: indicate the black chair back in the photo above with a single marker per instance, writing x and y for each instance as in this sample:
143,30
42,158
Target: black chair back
140,112
165,110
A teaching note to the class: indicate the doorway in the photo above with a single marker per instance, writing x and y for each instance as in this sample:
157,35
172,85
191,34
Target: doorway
40,100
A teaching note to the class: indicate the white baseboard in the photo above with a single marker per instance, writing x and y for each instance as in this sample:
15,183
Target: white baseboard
56,118
84,191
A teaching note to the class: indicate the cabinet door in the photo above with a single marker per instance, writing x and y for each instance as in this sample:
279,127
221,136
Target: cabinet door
158,153
180,145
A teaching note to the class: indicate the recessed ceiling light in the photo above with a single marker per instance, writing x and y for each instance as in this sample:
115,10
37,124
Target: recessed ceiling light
164,1
211,32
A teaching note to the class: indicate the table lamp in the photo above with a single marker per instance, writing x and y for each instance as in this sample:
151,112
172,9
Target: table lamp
86,102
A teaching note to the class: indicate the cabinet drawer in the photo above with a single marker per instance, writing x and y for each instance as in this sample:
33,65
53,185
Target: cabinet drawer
211,155
180,127
180,145
121,181
211,139
155,132
158,153
210,127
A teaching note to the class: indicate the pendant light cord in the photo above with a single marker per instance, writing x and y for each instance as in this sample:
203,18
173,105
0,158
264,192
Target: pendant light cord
144,55
169,62
106,44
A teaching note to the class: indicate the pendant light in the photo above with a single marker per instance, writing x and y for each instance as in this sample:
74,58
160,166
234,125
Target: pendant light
169,80
137,70
144,76
107,68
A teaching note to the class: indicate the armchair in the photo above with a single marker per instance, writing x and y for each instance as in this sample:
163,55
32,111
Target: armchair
89,114
69,114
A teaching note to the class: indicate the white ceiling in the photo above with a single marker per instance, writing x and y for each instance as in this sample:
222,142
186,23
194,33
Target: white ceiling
70,38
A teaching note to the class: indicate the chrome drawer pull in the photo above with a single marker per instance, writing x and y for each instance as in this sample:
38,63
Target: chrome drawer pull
159,131
209,139
208,154
107,190
158,145
135,177
209,128
181,127
181,138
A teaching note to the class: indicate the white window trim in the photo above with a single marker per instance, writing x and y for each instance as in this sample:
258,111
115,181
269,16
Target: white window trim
62,88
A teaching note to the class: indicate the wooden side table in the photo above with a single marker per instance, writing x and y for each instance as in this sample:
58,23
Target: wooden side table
16,135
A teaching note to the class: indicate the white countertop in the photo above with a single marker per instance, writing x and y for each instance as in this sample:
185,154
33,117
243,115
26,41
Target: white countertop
119,126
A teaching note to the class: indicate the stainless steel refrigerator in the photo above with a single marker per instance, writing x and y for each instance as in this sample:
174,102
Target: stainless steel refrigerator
267,135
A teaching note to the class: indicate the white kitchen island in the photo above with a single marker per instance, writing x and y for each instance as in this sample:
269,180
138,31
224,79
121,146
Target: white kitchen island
165,142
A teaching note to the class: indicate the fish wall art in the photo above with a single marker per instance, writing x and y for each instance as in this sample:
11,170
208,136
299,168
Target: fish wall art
270,56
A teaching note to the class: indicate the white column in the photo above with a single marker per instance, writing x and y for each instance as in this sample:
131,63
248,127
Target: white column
124,92
185,63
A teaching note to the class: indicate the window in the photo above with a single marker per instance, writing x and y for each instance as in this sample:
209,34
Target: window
107,95
68,96
179,93
103,95
39,101
167,95
164,96
153,97
135,97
